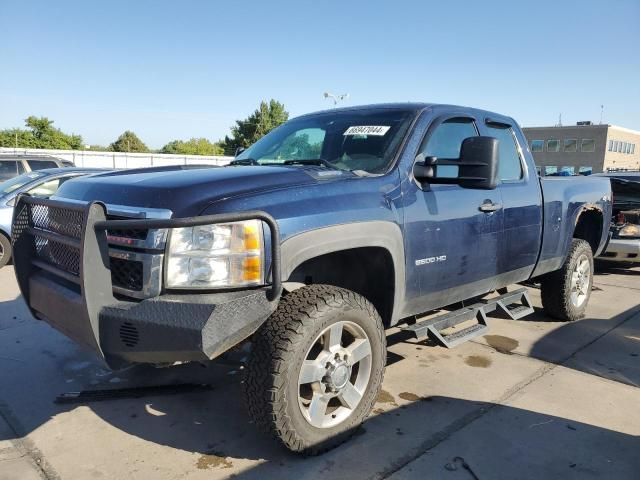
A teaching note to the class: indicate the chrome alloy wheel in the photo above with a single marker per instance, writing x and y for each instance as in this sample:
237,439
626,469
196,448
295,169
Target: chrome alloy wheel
334,375
580,281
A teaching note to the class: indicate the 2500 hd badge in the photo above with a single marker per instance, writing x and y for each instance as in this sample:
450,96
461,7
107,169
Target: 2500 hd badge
425,261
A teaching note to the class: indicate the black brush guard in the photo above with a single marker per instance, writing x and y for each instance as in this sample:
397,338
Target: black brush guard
62,264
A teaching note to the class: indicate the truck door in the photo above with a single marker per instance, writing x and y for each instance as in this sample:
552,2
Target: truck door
451,233
521,201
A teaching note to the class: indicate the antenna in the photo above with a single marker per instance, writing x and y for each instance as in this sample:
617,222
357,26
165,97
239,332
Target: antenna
559,124
601,113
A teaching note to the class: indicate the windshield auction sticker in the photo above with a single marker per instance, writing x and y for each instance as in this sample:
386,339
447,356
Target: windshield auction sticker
367,130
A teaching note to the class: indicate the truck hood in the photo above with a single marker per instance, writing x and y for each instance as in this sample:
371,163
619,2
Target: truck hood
626,193
188,192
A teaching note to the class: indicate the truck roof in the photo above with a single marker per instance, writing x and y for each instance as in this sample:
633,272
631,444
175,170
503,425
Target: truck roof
409,106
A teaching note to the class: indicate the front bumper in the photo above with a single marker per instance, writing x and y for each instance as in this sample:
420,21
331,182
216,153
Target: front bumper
619,250
167,328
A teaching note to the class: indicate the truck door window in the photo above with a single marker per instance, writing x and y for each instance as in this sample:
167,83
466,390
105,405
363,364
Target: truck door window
510,166
446,141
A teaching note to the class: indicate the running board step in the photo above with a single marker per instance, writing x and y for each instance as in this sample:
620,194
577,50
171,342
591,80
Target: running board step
513,305
433,327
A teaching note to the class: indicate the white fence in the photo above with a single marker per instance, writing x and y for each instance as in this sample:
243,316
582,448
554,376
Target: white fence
85,158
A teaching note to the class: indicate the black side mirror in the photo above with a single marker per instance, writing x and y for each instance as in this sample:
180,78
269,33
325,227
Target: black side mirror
477,165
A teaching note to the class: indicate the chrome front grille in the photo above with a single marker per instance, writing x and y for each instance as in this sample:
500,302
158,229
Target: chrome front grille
127,274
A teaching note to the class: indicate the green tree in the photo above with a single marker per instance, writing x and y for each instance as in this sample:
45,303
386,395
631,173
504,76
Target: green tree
193,146
128,142
17,137
40,133
244,133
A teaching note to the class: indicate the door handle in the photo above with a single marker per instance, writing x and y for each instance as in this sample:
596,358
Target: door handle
489,207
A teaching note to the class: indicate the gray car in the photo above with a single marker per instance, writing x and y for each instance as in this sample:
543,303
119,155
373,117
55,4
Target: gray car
39,183
12,165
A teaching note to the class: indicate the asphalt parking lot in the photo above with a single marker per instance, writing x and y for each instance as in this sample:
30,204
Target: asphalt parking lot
533,399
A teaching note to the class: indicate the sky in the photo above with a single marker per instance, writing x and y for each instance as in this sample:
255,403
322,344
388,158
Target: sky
180,69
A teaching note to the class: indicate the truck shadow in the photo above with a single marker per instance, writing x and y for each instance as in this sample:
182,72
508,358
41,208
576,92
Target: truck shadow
213,425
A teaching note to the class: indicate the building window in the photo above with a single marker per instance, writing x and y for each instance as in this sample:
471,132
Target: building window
619,149
628,148
610,145
570,145
537,145
633,148
567,171
588,145
585,170
550,170
615,145
553,145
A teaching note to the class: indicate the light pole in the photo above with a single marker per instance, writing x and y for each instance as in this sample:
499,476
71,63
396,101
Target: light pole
336,98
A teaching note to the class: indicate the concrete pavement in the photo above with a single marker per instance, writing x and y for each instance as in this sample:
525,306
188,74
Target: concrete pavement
532,399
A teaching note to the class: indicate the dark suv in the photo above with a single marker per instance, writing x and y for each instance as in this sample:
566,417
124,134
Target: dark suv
14,165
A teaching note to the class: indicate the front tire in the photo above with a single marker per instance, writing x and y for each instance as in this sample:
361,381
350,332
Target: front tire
5,250
316,368
565,292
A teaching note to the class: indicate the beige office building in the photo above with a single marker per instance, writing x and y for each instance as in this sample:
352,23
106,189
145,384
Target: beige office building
584,148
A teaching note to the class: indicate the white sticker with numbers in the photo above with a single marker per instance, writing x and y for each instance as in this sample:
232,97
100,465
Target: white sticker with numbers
375,130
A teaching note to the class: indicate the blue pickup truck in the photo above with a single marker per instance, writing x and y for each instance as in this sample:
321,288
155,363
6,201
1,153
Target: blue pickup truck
330,229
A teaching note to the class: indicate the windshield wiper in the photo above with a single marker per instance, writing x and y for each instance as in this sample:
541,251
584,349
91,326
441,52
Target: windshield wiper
312,161
243,161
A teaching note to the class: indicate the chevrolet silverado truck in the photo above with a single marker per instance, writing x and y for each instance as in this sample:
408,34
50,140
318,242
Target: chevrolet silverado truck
330,229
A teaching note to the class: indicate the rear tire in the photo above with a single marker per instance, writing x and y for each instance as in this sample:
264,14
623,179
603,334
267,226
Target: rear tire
565,292
5,250
316,368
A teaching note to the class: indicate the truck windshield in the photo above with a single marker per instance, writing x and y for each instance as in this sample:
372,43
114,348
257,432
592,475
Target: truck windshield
354,140
15,183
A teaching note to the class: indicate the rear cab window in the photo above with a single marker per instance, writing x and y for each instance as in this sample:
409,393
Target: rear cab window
510,161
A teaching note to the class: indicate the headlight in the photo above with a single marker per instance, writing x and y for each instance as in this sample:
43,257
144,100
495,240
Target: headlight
629,231
219,255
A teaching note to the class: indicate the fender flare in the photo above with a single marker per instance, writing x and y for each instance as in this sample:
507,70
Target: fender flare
585,208
307,245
